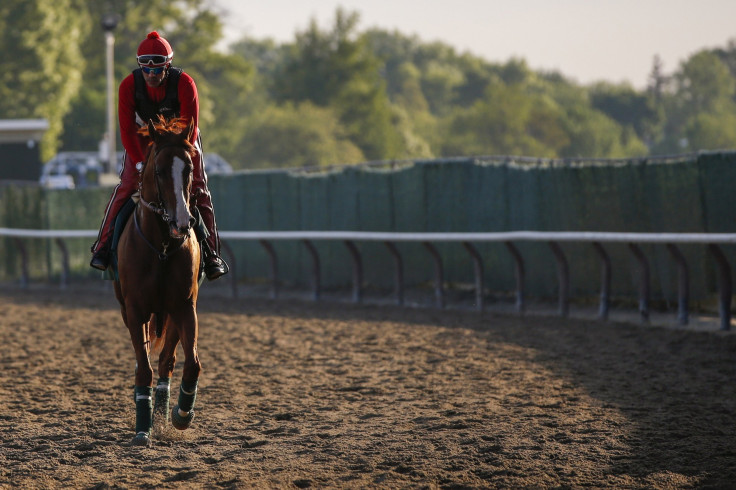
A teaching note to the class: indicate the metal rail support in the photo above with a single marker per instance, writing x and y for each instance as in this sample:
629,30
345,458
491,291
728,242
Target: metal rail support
274,267
316,278
605,300
398,272
520,275
233,265
478,271
439,276
683,284
64,263
357,271
563,279
24,262
725,286
644,290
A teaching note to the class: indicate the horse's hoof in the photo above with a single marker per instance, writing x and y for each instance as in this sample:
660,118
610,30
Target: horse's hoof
141,439
181,422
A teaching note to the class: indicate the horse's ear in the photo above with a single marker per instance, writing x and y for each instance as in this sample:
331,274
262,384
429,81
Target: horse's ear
152,131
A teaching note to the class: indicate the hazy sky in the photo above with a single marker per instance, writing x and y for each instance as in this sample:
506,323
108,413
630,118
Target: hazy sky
586,40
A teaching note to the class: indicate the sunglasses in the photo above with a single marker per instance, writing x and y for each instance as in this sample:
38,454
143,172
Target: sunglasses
153,59
153,71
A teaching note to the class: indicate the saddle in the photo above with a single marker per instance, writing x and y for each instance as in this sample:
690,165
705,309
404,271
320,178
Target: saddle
122,218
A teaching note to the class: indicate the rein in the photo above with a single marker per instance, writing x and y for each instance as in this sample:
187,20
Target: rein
156,208
164,254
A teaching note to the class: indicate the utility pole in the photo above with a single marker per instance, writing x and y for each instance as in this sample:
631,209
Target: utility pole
109,22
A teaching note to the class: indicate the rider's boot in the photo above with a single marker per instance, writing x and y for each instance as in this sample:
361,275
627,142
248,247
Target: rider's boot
101,257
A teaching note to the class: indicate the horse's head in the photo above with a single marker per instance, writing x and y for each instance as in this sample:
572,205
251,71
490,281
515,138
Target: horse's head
167,175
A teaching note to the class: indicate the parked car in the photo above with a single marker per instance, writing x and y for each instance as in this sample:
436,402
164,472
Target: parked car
79,169
72,169
213,164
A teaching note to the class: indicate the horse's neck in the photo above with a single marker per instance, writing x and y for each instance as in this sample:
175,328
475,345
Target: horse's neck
151,226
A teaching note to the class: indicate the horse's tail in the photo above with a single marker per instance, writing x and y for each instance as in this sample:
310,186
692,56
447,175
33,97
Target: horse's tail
157,329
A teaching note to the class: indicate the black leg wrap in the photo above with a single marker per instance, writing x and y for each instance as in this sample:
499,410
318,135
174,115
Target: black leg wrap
161,404
187,396
143,409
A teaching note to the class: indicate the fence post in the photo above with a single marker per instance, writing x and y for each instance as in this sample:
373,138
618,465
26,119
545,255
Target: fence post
357,271
64,262
398,272
316,278
644,291
24,262
724,285
478,271
563,279
273,261
683,284
439,277
520,275
605,301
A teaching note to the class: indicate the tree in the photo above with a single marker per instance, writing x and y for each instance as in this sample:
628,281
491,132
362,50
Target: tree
42,68
336,69
507,121
296,135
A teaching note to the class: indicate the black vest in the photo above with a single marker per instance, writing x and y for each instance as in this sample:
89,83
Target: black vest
168,107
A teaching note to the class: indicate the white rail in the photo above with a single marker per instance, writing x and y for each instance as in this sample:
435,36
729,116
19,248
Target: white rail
504,236
671,240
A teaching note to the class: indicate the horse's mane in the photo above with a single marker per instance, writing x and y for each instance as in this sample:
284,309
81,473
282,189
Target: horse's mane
170,127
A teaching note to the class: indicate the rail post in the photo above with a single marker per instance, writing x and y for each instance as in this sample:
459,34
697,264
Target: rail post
357,271
563,279
520,275
644,290
316,278
398,272
274,267
439,276
605,300
683,284
724,286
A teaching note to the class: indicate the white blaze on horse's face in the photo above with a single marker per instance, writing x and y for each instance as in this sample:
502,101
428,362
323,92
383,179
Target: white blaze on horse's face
182,210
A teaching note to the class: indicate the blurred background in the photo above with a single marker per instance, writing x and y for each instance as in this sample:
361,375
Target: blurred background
338,92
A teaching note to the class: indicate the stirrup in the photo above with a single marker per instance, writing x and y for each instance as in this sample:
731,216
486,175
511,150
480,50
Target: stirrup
215,267
100,259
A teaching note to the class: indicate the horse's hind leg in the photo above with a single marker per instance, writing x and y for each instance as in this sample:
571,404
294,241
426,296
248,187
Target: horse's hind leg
183,412
166,363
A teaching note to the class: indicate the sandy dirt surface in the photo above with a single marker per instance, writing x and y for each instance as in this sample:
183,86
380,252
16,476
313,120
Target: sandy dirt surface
298,394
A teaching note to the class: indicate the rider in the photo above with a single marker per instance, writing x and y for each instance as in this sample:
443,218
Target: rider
156,88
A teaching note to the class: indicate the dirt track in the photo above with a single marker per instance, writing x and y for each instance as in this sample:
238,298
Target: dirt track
298,394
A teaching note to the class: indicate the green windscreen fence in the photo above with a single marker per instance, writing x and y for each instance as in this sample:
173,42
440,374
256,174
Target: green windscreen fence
690,193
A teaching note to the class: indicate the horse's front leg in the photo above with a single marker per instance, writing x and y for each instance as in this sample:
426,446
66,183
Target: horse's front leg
166,363
183,412
143,380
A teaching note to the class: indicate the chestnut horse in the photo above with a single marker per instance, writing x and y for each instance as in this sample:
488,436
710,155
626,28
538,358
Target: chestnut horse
158,268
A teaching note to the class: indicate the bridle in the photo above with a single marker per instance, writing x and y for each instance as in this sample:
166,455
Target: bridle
157,208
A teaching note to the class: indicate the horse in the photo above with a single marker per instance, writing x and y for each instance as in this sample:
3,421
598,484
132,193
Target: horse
158,264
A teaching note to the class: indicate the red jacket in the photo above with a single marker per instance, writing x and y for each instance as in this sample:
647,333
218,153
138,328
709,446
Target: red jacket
134,144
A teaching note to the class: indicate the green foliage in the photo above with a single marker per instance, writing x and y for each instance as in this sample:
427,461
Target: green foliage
339,95
301,135
42,65
335,69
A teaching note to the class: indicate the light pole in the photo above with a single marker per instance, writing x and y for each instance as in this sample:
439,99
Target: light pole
109,22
